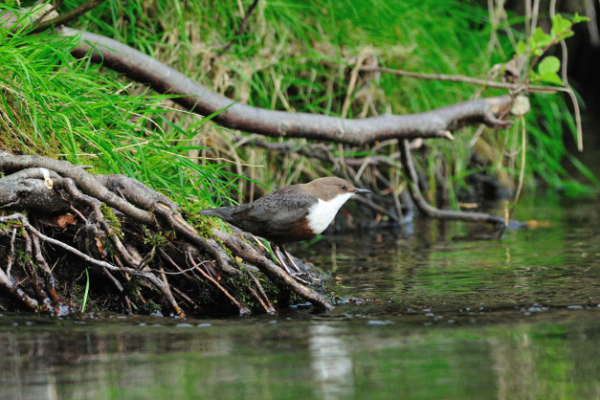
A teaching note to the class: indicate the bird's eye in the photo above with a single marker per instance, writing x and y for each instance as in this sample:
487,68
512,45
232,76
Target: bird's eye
344,187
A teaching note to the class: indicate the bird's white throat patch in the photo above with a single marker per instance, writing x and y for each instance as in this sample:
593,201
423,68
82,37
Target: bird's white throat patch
322,213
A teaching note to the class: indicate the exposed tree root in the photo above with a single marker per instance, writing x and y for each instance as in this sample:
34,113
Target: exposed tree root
142,250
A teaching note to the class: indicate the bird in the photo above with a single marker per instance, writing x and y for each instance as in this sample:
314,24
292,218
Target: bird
290,214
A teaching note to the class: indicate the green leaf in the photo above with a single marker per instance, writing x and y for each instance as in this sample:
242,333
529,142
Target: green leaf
540,38
521,47
551,77
578,18
548,65
560,25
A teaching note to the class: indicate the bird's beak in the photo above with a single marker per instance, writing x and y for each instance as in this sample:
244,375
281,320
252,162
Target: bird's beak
362,191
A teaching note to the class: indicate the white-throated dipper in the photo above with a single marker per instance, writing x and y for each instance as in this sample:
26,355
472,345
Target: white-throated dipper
291,214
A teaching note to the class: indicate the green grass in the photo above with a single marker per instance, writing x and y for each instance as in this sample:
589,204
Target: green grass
293,56
54,105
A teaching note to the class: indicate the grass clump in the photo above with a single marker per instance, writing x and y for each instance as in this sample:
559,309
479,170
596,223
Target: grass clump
301,56
295,56
54,105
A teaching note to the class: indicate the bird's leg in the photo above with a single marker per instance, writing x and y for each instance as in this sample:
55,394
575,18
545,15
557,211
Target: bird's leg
289,258
278,257
294,275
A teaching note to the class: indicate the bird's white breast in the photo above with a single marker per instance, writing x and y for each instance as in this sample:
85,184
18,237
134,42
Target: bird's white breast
322,213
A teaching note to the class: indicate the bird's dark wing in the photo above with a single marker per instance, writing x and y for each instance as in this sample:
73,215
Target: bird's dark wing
278,207
278,216
274,215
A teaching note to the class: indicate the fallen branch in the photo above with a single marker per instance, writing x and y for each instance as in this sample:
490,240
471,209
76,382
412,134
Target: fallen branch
200,99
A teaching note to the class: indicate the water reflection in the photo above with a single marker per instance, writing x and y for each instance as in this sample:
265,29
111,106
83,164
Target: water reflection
331,363
431,317
534,356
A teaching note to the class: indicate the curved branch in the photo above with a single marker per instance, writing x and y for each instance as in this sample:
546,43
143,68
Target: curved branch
201,100
432,212
85,181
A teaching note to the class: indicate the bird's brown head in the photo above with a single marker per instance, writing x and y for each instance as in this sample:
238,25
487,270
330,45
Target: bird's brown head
328,188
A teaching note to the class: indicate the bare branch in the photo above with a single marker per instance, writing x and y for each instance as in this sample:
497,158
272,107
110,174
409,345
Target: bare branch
276,274
200,99
433,212
86,182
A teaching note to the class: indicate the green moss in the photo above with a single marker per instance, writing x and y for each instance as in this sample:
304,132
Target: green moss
205,225
111,218
150,307
156,239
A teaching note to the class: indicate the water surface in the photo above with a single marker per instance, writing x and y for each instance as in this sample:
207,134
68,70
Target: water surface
431,311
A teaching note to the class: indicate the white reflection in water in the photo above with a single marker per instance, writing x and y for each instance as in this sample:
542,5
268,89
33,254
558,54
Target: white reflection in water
331,363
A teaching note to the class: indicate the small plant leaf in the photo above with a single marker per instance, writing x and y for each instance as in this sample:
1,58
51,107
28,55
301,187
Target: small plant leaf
540,38
548,65
579,18
521,47
87,289
560,25
551,77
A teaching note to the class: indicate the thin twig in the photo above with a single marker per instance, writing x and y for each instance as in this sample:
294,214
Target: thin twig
241,29
68,16
48,277
260,300
242,309
33,276
565,78
23,220
270,309
268,267
465,79
187,298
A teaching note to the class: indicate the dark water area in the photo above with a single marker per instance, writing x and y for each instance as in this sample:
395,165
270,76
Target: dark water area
431,311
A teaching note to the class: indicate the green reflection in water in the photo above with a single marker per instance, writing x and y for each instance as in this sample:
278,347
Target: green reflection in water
545,356
447,267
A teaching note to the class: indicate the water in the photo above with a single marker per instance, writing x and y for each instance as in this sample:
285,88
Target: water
426,312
